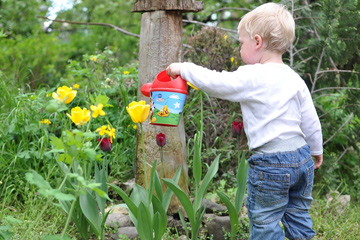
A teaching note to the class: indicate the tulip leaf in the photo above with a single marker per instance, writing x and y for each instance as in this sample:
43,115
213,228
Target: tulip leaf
90,210
183,198
241,177
158,187
233,214
145,224
160,218
199,195
197,168
169,193
152,181
130,204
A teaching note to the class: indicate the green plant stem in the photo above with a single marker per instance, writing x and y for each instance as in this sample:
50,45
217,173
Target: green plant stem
68,218
162,162
143,151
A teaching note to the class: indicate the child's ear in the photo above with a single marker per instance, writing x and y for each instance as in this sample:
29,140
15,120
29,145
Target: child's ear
259,41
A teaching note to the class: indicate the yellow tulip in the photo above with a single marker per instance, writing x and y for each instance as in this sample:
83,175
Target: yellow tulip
97,110
64,94
126,72
76,86
138,111
79,116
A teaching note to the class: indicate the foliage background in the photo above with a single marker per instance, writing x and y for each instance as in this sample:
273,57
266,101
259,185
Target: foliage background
35,60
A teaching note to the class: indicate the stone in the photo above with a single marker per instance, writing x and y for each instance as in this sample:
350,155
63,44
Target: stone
212,207
115,220
129,232
217,225
340,201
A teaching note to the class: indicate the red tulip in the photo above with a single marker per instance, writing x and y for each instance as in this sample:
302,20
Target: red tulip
105,144
161,139
236,128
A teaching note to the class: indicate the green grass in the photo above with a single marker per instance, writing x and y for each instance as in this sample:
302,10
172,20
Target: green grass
332,223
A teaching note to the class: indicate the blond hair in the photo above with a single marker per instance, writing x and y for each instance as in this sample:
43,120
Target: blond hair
273,22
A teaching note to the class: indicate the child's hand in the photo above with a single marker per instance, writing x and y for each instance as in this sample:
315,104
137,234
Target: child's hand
318,161
173,70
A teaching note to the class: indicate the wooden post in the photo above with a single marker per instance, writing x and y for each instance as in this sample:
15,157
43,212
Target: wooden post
161,44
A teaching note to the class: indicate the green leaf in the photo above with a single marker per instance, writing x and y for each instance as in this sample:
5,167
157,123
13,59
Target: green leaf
145,224
183,198
197,168
169,193
132,207
101,193
5,232
90,153
158,186
61,196
36,179
56,142
12,220
184,224
205,183
24,154
152,182
241,177
65,158
160,224
91,212
101,177
102,99
156,226
56,237
233,214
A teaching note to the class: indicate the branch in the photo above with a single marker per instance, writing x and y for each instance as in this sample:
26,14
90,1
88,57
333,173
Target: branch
332,88
229,8
341,127
204,24
318,68
337,71
342,154
98,24
124,31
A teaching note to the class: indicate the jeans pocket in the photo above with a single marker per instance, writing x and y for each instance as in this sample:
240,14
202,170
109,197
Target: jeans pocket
273,188
309,181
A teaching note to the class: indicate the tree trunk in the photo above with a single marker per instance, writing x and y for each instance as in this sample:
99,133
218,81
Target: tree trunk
160,45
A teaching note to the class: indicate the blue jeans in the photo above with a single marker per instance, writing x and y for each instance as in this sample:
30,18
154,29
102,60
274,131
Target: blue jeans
279,189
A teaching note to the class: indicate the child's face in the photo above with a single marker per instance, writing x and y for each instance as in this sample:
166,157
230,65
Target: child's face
248,51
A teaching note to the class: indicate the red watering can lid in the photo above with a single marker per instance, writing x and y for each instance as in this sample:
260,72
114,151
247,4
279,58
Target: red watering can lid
163,82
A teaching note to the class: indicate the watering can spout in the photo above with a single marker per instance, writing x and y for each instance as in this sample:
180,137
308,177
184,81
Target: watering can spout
145,89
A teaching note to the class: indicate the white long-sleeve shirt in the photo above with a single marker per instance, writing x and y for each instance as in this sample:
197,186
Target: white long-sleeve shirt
275,102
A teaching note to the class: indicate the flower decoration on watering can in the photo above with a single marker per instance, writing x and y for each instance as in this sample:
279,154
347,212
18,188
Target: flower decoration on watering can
167,99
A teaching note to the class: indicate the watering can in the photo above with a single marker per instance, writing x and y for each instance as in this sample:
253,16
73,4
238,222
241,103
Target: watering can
167,99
